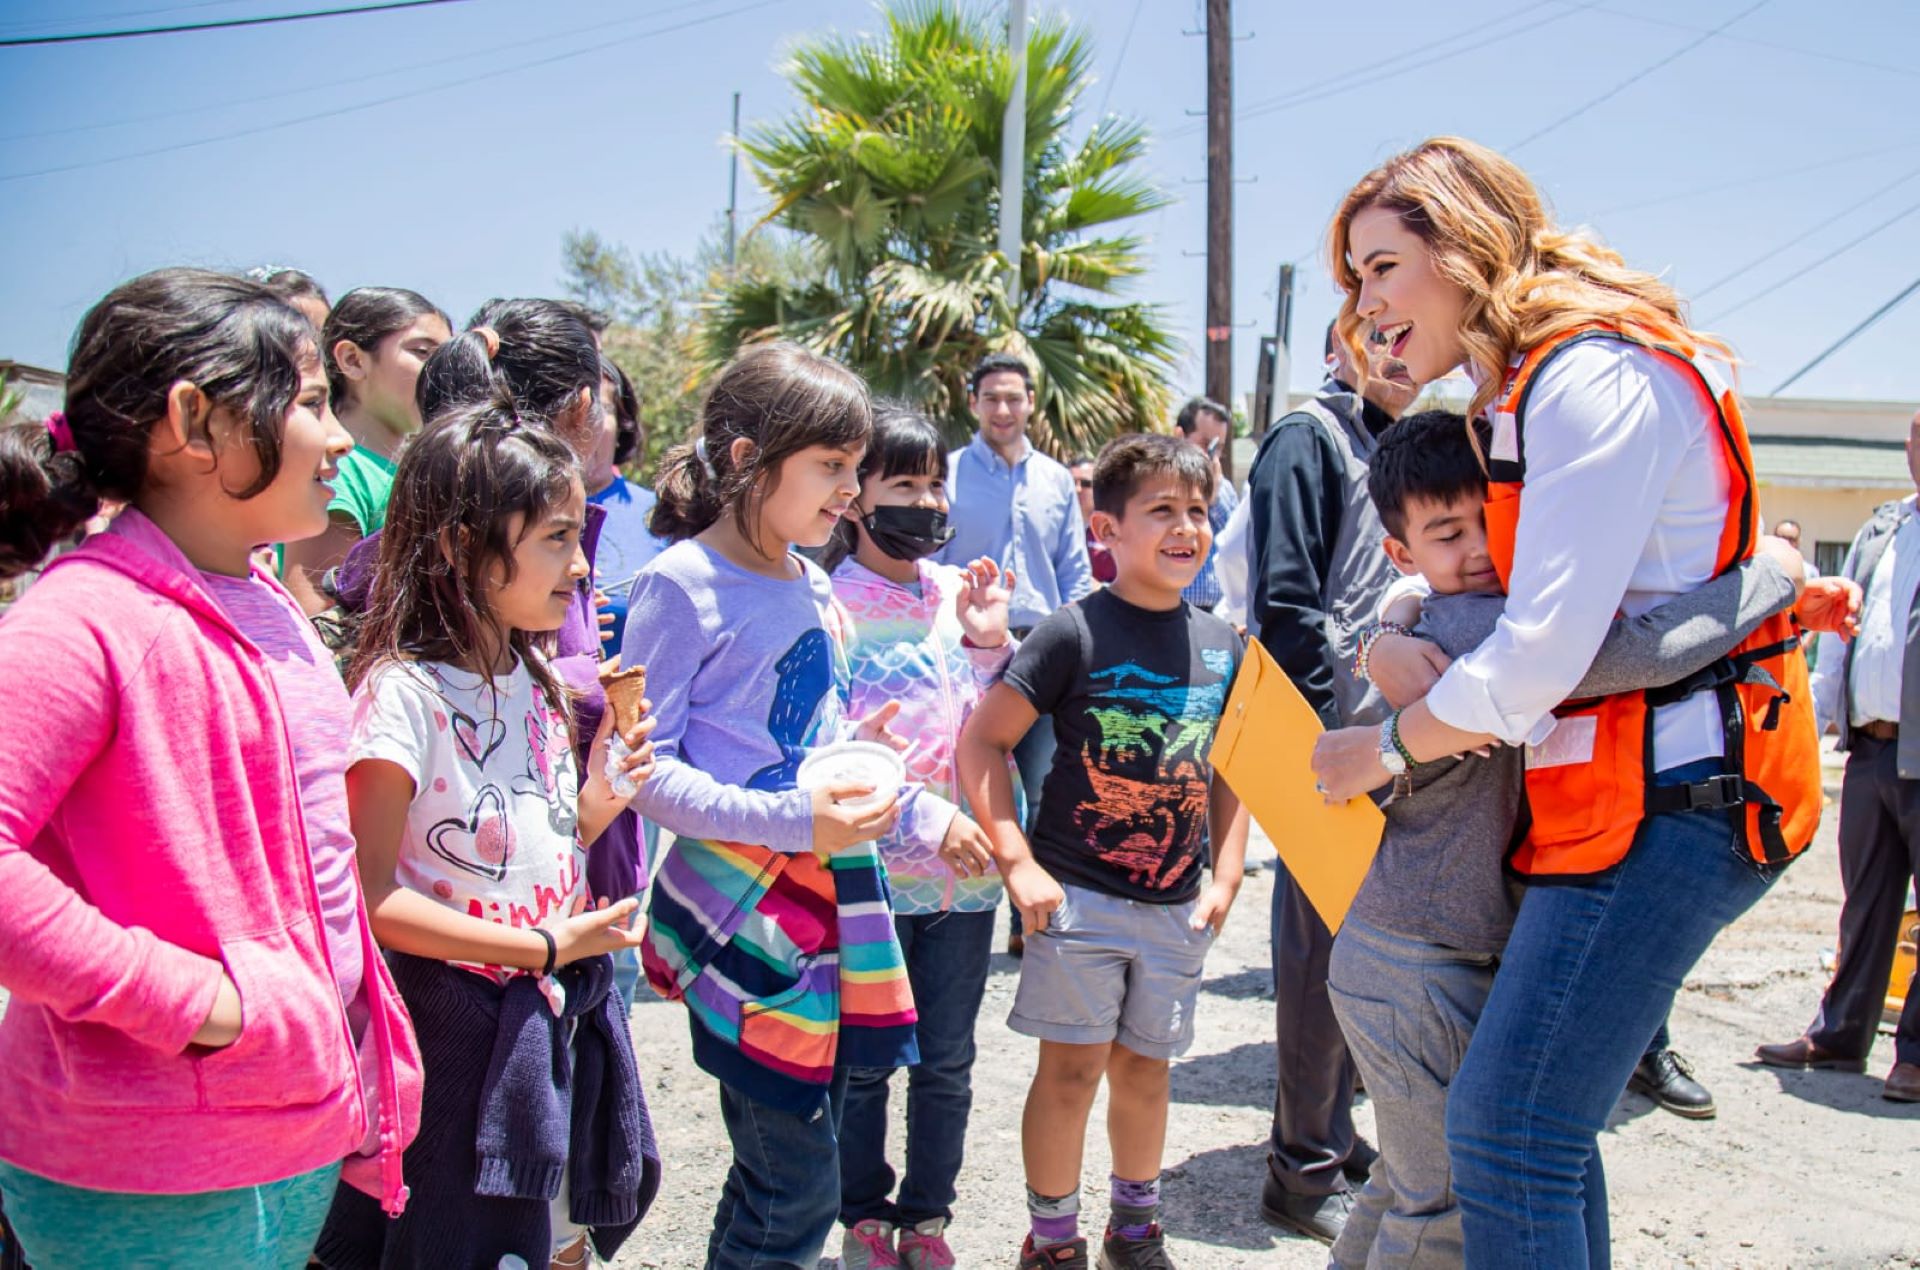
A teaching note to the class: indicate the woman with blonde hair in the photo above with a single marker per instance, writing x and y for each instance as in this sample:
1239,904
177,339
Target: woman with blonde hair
1619,476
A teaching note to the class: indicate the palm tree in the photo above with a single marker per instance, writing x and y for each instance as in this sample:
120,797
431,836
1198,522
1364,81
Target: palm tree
890,171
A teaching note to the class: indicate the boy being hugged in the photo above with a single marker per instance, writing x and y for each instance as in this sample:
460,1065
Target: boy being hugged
1413,963
1110,887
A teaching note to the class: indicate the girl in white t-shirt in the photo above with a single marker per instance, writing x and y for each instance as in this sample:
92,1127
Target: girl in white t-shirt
473,817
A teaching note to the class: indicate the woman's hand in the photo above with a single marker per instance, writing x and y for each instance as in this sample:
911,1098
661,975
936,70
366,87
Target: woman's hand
1787,556
1405,669
876,727
221,1027
966,849
982,603
837,826
590,931
1346,763
1831,605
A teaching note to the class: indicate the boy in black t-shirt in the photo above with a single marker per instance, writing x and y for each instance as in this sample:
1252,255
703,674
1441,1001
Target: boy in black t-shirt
1109,888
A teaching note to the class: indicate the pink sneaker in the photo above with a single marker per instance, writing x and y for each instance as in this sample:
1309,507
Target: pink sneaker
924,1247
869,1246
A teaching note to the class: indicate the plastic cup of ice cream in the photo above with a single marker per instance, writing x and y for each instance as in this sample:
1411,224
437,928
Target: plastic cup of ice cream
854,763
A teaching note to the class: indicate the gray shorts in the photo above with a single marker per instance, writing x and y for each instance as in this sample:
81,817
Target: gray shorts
1107,969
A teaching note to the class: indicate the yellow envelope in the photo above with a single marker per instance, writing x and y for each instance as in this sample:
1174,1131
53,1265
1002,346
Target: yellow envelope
1264,749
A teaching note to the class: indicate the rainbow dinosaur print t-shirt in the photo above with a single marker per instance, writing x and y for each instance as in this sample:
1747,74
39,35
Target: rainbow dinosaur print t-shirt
1135,695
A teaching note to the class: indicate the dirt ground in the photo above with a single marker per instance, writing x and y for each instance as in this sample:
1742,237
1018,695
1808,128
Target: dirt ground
1800,1169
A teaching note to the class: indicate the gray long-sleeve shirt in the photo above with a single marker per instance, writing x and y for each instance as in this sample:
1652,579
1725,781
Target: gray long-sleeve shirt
1438,876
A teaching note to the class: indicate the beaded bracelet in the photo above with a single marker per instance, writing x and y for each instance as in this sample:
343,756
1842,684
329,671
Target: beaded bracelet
1368,638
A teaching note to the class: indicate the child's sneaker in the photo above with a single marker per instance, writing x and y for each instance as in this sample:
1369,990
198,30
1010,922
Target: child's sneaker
1117,1252
868,1246
1071,1255
924,1246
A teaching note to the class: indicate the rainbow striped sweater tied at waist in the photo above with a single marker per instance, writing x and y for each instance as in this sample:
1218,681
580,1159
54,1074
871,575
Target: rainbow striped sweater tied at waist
788,964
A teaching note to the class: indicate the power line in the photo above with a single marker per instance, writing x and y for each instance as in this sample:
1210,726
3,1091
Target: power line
387,100
82,37
1848,338
1634,78
339,82
1745,181
1907,71
1121,58
1800,273
1853,205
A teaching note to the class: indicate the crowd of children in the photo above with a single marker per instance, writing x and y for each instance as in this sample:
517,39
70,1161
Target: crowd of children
342,933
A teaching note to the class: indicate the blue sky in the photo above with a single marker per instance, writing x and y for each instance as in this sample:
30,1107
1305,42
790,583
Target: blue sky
487,129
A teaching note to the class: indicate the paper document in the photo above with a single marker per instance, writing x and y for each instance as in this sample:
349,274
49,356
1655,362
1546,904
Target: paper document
1264,749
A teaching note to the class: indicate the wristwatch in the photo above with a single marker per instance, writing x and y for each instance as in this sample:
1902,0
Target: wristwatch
1389,752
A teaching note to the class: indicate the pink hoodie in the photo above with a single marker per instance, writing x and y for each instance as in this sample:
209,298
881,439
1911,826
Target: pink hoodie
150,834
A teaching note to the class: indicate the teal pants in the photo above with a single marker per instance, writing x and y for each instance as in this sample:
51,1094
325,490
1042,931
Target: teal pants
64,1227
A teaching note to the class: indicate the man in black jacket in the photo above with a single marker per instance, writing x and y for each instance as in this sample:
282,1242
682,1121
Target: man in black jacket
1316,575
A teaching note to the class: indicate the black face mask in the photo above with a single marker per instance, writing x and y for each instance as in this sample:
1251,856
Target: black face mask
907,533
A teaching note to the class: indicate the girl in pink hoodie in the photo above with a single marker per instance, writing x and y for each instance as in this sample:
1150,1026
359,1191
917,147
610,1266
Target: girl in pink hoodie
200,1027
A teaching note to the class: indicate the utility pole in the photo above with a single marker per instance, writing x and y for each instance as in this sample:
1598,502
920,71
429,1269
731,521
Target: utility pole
1220,209
1013,151
733,186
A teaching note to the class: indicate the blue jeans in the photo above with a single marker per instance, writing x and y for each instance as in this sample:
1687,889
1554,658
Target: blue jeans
783,1192
1588,975
947,958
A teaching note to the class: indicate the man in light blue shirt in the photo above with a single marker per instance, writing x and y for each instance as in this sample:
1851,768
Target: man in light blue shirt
1206,424
1012,503
1008,501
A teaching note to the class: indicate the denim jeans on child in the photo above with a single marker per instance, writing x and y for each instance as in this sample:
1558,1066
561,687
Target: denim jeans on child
782,1193
947,958
1589,973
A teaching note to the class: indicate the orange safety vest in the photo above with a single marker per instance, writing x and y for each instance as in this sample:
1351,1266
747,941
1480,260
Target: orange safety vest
1590,785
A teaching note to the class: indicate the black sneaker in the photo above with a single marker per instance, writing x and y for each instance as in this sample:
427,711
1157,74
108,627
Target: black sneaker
1117,1252
1667,1078
1071,1255
1320,1217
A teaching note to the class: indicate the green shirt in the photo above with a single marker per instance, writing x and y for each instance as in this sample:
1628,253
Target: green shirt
362,487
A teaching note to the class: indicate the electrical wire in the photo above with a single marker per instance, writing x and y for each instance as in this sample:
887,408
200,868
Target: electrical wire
389,99
1853,205
338,82
223,24
1802,272
1765,179
1120,59
1848,338
1907,71
1635,78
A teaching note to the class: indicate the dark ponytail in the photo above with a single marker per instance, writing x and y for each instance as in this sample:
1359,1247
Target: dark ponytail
364,317
538,353
240,344
783,399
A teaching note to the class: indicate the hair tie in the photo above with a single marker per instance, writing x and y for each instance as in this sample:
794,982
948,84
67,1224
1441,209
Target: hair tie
491,338
700,452
61,433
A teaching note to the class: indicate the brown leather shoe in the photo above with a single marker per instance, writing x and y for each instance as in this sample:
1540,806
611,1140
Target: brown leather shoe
1903,1083
1802,1053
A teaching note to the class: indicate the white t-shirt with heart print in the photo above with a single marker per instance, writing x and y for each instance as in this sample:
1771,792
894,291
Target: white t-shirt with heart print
491,831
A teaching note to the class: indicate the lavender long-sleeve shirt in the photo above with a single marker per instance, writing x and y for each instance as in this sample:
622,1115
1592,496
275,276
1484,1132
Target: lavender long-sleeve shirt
746,674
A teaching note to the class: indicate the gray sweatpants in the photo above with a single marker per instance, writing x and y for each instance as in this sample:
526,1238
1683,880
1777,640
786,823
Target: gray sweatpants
1408,1009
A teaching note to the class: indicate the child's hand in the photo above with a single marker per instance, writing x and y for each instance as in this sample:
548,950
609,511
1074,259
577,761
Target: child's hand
1032,890
1832,605
601,604
966,849
1211,908
590,931
221,1027
636,767
982,603
875,727
1405,669
837,826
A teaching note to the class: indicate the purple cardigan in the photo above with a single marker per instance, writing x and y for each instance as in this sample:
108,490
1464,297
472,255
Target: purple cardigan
616,867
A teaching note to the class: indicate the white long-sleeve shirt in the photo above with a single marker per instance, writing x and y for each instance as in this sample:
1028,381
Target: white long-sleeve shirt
1880,649
1625,502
